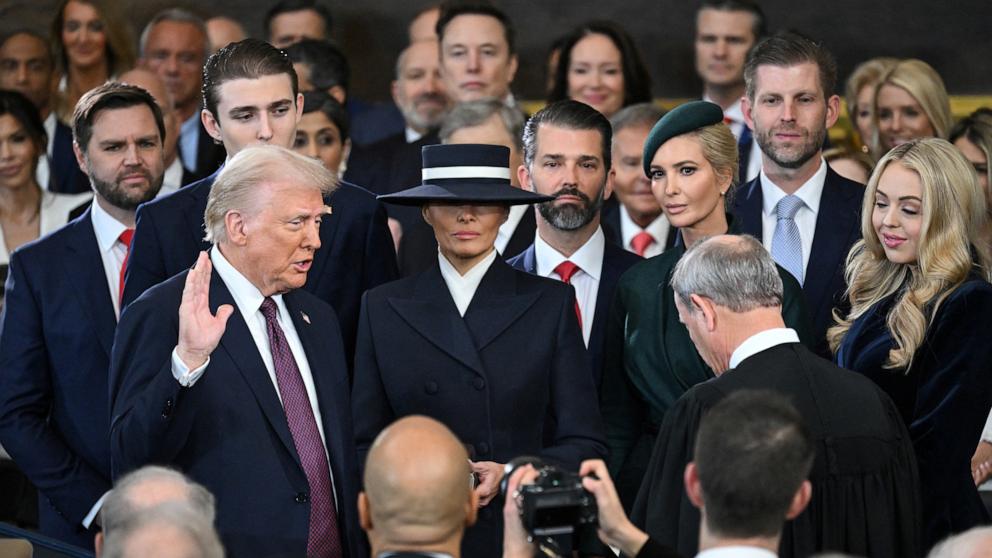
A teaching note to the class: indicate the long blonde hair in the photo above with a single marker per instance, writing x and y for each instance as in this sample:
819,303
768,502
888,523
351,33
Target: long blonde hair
953,208
924,84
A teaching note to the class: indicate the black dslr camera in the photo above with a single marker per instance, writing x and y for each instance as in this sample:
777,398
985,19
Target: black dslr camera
556,504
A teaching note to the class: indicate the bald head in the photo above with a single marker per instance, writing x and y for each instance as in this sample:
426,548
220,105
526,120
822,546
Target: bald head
976,543
150,82
223,31
417,485
152,486
170,530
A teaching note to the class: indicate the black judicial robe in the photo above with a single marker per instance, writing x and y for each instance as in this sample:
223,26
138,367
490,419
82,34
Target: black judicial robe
865,486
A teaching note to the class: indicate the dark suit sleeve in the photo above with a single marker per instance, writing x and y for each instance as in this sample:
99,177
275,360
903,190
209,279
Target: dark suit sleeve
371,410
26,395
795,313
151,413
145,261
578,426
380,259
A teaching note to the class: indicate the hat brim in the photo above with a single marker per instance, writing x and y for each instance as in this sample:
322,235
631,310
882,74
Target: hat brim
463,192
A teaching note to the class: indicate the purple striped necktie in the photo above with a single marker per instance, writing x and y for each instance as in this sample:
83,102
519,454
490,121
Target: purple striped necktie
324,540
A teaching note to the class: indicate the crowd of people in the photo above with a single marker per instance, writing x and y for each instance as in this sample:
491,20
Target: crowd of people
247,313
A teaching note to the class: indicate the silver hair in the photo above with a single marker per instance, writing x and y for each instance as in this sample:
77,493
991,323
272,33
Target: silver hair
641,114
175,515
964,544
178,15
734,272
235,186
473,113
120,504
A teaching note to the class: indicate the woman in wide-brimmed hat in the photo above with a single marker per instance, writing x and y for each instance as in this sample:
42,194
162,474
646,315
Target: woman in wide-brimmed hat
494,353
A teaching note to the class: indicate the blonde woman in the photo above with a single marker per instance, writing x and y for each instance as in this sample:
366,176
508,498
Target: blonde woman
859,94
918,324
910,102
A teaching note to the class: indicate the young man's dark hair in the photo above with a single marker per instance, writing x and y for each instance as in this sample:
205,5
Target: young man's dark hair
328,65
760,26
752,453
287,6
110,96
571,115
790,49
247,59
454,8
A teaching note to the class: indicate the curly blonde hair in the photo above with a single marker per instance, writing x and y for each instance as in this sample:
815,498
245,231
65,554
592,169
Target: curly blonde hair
953,208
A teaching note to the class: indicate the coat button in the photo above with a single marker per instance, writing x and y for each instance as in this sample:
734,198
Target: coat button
430,388
479,384
167,410
302,498
483,449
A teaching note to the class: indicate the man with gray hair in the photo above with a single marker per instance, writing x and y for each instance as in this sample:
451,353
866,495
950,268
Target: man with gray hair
170,530
973,543
231,372
150,487
175,45
866,497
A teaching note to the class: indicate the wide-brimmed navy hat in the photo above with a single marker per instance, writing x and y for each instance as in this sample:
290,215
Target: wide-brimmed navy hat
467,173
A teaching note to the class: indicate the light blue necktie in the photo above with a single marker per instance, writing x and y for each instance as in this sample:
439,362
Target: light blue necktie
787,245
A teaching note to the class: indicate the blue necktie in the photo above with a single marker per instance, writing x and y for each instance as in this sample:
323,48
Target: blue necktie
787,245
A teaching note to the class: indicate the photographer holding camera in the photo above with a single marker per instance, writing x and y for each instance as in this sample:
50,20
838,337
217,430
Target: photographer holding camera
748,476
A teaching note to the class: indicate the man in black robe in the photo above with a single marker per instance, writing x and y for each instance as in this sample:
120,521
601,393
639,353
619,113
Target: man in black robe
866,498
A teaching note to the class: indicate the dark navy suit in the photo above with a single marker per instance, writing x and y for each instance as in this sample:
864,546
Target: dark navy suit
616,260
498,377
65,176
57,332
228,431
838,227
356,251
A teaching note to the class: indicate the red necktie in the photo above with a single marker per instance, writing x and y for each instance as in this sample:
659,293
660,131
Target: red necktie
324,540
566,270
125,239
641,241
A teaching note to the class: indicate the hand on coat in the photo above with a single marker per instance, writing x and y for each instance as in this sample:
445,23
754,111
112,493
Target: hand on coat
199,330
981,462
489,476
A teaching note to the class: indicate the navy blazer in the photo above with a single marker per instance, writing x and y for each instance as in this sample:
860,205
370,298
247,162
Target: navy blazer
56,333
838,227
65,176
616,260
356,249
510,378
228,431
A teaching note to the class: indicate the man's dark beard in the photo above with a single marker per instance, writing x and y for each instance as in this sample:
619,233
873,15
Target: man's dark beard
570,217
119,198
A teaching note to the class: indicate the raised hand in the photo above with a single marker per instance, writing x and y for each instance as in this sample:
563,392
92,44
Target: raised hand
199,330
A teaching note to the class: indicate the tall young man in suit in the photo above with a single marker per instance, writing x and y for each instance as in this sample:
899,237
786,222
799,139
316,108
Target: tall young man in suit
866,496
807,215
61,308
251,97
236,375
567,155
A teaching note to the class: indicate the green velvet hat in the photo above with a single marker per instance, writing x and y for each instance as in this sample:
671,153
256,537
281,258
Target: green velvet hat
680,120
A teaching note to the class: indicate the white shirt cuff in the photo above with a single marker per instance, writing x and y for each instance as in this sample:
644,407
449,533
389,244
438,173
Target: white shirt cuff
88,520
987,432
182,373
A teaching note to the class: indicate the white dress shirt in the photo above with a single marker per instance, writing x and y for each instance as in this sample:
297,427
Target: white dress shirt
507,229
659,229
589,258
173,179
43,173
189,141
463,287
112,251
411,135
810,192
736,115
248,300
737,551
54,214
761,342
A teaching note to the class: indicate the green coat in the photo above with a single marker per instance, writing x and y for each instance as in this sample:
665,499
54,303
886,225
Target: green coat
650,361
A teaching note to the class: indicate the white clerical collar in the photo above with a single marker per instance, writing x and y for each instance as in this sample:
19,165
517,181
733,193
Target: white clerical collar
658,229
737,551
589,257
463,287
412,135
810,192
246,295
108,229
762,341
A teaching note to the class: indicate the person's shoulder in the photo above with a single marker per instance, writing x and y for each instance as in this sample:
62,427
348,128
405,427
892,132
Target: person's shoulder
620,258
651,271
60,205
161,298
354,196
400,288
44,246
973,297
179,199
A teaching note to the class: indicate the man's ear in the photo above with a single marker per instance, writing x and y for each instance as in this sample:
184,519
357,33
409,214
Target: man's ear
692,486
746,108
80,159
472,508
211,125
364,513
706,306
426,214
394,90
833,110
800,500
234,225
523,176
608,188
98,543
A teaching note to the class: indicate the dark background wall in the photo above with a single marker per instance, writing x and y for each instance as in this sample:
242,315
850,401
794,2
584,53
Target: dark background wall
953,36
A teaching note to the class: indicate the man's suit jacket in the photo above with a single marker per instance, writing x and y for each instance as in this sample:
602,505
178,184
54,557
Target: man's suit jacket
497,377
65,176
56,334
356,251
228,431
388,165
866,498
838,227
616,260
210,156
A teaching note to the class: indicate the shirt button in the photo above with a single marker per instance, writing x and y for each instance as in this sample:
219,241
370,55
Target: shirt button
479,384
430,388
302,498
167,410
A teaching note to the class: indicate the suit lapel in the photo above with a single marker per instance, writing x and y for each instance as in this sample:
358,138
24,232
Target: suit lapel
496,304
194,213
834,227
530,260
432,313
240,347
608,279
747,209
84,270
